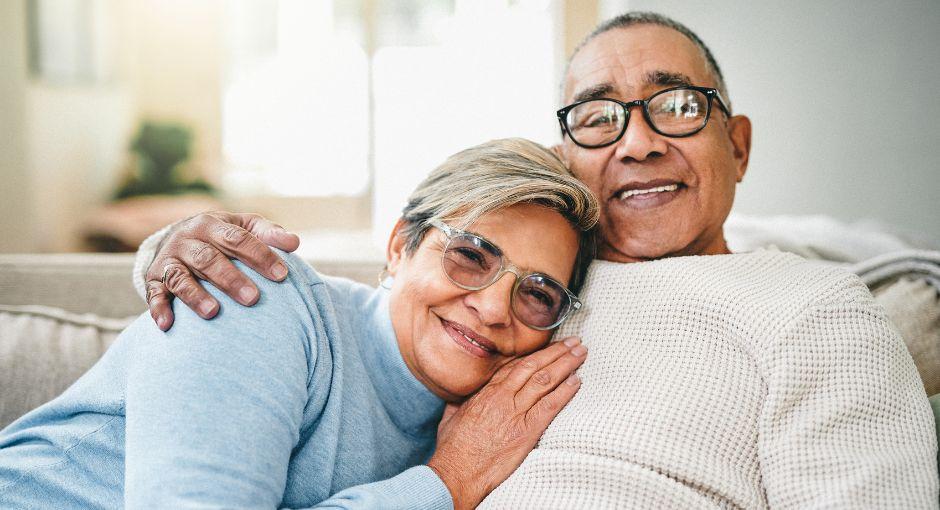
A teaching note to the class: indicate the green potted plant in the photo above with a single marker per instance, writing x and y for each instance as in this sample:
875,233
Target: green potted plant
160,150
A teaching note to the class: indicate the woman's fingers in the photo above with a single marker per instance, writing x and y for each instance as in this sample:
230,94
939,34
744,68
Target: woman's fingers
521,371
546,379
489,435
541,414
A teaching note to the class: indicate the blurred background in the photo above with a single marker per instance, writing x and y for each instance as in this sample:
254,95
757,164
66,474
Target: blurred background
120,116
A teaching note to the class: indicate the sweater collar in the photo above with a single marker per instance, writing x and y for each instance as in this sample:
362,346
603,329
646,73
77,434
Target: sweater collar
412,407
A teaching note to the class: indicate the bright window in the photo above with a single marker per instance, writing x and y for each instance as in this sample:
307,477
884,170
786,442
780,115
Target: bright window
351,97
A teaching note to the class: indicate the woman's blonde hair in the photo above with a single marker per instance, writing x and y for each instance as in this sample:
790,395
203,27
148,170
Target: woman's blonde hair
496,175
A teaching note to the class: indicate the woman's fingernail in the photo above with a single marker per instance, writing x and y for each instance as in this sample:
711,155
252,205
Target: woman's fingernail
161,322
573,379
571,342
579,350
279,270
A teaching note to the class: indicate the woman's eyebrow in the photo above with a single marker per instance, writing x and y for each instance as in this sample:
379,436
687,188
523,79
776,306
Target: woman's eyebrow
487,245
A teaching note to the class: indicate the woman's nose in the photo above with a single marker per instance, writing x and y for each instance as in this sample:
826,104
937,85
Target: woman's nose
493,304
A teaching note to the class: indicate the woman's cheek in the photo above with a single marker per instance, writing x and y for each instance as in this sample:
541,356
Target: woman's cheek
532,341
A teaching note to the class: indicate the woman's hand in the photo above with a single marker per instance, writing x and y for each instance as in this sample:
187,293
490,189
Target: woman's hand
200,247
483,440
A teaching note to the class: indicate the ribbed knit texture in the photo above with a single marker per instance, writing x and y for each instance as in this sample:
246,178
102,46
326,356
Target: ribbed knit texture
741,381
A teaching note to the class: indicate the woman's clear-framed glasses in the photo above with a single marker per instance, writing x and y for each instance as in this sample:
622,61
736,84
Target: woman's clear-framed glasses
471,262
674,112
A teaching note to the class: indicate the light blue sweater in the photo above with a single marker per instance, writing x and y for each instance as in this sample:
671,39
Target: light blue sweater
300,401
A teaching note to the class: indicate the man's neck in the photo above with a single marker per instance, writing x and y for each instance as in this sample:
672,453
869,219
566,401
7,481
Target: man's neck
716,246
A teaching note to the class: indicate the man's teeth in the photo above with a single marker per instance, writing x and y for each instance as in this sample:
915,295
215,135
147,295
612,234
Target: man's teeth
474,343
635,192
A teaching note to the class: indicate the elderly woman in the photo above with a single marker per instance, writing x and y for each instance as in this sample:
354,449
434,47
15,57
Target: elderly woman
330,393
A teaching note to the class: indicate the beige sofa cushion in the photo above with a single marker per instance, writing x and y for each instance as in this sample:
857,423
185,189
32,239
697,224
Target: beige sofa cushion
44,350
913,305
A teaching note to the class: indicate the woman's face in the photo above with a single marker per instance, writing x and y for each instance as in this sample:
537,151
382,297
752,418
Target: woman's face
430,314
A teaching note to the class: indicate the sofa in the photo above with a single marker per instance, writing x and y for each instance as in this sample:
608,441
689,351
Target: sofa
59,313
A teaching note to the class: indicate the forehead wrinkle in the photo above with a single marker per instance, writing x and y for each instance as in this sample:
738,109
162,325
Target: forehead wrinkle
656,78
623,64
617,69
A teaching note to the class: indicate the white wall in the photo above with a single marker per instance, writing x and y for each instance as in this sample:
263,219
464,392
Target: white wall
844,97
16,219
63,147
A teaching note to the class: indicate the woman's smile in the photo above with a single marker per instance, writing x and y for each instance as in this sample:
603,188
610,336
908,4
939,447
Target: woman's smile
474,343
452,338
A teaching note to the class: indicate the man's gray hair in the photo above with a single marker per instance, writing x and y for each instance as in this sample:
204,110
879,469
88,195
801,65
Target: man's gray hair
629,19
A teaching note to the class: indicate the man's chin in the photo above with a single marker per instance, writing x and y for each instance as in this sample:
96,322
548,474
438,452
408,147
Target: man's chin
634,250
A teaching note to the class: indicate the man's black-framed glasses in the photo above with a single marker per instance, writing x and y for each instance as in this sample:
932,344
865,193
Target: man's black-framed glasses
674,112
474,263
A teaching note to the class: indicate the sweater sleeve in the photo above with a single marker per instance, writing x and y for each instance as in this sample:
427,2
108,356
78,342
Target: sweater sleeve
418,488
214,408
846,421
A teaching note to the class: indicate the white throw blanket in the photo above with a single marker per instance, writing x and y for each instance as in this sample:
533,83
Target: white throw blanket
736,381
905,263
820,237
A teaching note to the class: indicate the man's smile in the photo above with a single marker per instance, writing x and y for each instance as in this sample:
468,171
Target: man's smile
645,195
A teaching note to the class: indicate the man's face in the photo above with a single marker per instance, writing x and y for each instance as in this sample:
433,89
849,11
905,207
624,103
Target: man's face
633,63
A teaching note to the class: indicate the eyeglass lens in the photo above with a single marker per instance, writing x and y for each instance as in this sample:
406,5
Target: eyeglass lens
473,263
673,112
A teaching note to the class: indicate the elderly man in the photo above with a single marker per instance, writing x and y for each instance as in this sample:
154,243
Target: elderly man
733,380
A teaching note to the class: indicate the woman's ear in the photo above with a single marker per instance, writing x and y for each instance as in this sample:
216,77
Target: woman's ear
395,251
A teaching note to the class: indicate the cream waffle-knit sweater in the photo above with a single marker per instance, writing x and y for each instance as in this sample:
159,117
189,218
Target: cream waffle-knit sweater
735,381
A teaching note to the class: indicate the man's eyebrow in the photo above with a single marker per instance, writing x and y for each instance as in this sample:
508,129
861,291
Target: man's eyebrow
663,78
658,78
596,92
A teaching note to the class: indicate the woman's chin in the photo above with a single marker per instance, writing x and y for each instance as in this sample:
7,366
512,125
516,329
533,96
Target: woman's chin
454,383
457,390
454,371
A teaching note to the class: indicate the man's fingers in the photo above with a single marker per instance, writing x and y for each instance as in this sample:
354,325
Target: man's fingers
237,242
266,230
183,285
208,263
275,235
527,366
158,301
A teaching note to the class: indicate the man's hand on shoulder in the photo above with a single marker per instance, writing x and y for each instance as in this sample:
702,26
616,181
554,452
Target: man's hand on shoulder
200,248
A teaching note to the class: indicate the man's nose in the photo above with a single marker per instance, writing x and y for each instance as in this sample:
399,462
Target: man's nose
640,141
493,303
